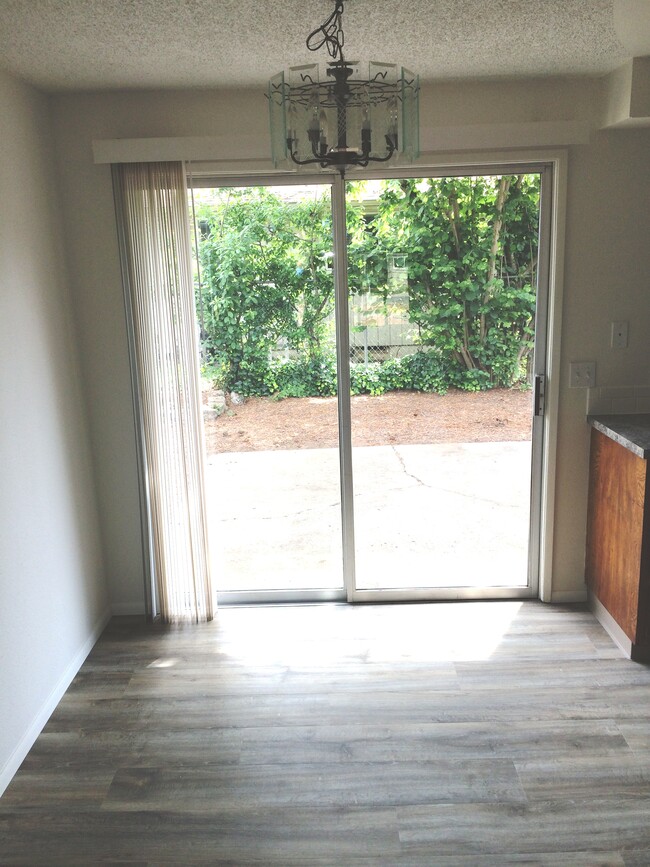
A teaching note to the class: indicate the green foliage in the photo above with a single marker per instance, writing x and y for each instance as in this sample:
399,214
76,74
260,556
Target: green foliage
266,273
421,371
316,376
470,246
471,250
307,376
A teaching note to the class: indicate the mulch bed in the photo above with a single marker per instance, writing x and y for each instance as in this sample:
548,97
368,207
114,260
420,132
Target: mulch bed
404,417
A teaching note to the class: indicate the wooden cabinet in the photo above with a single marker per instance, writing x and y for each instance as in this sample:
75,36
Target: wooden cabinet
618,530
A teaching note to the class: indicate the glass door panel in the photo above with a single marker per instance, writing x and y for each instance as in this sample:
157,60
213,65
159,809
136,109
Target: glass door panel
443,281
265,300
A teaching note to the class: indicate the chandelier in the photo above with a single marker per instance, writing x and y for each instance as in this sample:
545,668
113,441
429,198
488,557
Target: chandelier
342,119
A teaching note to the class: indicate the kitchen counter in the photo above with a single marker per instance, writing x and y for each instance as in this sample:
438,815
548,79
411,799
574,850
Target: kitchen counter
617,567
630,431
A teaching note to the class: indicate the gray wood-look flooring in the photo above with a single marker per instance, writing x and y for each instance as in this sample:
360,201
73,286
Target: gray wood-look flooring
432,734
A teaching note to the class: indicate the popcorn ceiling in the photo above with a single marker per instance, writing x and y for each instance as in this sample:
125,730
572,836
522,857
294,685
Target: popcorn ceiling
61,45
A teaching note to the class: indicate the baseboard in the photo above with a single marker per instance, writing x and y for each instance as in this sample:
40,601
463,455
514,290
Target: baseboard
127,608
610,626
27,741
565,597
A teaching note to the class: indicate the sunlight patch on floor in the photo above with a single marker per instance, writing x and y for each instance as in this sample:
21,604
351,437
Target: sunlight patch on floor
317,636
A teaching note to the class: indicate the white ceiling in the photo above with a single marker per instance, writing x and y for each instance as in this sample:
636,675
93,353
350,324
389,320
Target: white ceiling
61,45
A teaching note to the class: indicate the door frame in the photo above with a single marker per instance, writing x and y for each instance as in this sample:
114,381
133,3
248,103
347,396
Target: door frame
552,168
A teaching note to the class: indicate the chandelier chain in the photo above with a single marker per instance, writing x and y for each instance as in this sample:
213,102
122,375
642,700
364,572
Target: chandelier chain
329,34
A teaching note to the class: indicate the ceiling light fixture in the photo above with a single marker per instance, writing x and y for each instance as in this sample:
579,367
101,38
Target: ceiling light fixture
342,119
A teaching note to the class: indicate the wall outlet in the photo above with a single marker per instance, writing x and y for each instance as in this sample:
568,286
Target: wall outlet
619,335
582,374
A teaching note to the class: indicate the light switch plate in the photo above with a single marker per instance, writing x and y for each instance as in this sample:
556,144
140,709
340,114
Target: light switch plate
582,374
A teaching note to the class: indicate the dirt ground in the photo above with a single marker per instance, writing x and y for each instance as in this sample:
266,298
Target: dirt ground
399,417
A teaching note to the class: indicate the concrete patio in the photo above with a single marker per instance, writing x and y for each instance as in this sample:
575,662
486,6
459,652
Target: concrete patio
447,515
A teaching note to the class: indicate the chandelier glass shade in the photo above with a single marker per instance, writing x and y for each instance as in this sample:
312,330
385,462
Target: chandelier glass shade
342,115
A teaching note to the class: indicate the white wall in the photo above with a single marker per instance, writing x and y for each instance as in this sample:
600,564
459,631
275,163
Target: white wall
53,598
606,277
94,266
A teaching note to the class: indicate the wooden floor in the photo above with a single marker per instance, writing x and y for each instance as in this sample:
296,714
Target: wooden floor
444,734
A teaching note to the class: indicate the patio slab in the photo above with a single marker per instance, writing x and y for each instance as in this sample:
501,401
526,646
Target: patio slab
444,515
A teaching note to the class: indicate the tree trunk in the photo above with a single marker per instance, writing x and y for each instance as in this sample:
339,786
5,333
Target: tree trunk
504,186
502,193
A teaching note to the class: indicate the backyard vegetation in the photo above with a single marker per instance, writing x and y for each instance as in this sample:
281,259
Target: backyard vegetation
467,248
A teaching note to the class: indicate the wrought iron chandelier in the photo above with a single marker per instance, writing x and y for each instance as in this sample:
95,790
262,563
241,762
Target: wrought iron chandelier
342,119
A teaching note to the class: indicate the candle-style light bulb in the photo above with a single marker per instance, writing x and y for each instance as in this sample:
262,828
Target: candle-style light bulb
313,112
323,126
313,130
291,122
392,116
391,135
366,146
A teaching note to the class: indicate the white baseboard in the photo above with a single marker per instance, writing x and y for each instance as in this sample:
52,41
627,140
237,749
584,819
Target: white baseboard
610,626
127,608
564,597
27,741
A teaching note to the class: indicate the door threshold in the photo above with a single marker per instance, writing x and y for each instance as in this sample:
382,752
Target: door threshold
310,597
279,597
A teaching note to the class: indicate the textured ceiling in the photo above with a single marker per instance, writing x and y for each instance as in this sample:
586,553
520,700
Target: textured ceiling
107,44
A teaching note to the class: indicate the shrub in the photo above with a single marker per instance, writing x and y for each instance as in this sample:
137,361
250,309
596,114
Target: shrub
304,377
426,370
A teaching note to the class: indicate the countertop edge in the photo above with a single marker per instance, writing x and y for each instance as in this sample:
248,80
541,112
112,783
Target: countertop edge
630,431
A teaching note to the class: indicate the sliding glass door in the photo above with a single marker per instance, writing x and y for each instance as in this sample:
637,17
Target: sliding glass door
373,356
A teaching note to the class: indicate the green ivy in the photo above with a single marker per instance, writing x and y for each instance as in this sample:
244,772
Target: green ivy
470,246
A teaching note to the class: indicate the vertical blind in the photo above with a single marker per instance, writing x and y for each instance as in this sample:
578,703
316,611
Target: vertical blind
152,211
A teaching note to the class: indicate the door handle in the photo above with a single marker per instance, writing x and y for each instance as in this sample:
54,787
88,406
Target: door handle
539,394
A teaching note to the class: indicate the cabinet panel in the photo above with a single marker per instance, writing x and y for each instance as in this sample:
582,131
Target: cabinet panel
615,530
